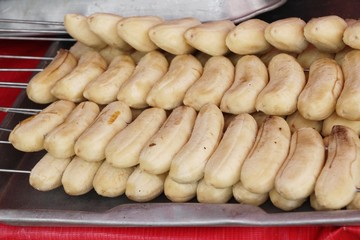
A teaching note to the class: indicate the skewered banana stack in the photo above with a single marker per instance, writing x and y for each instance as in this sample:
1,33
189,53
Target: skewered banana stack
142,106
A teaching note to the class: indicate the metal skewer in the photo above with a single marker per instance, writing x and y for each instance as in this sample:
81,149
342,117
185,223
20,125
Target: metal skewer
26,57
13,85
14,171
20,110
21,69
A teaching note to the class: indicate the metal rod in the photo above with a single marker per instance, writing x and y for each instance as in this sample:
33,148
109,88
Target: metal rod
5,142
39,38
14,171
6,30
21,69
31,22
26,111
5,129
26,57
13,85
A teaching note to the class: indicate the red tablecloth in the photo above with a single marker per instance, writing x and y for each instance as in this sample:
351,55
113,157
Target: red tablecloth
7,96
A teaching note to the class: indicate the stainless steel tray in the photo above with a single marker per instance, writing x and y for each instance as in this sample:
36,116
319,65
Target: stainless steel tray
204,10
20,204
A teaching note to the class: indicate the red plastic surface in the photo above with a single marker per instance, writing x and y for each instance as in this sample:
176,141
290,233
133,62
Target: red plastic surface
7,96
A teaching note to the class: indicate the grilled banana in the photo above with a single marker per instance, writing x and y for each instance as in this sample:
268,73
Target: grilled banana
110,181
248,37
71,87
210,37
124,149
251,76
47,173
271,147
169,35
287,79
179,192
317,100
217,77
168,93
207,193
60,141
29,134
143,187
39,87
91,144
104,89
150,69
78,176
135,31
189,163
159,151
337,183
242,195
347,105
104,25
224,166
77,26
287,34
297,176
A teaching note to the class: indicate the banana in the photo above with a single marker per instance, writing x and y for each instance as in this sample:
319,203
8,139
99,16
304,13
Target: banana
347,105
248,37
297,121
91,144
326,33
29,134
283,203
78,176
339,56
168,93
189,163
317,101
271,147
159,151
39,87
71,87
355,203
135,31
207,193
217,77
104,89
169,35
297,176
335,119
79,49
124,149
47,173
310,55
77,26
224,166
242,195
266,57
337,183
60,141
259,118
287,79
150,69
143,187
251,76
104,25
210,37
315,204
109,53
287,34
351,35
179,192
110,181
